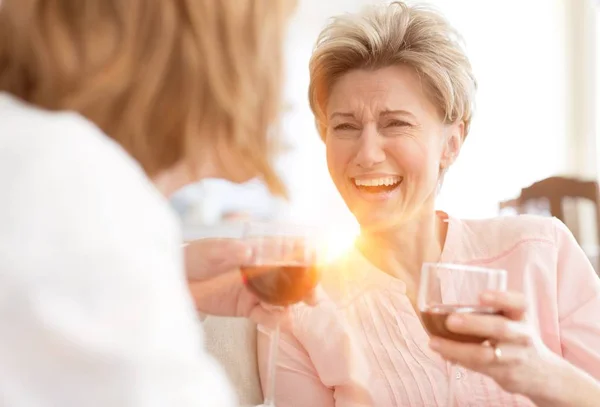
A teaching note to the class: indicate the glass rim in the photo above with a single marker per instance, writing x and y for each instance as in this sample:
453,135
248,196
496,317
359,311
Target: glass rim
464,267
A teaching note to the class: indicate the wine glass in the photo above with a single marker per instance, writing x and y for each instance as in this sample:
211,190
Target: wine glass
281,271
452,288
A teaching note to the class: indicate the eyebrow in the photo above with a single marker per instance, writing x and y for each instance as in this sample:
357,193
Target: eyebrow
399,112
382,113
340,114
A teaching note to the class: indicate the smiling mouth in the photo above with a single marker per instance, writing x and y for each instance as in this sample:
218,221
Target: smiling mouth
378,185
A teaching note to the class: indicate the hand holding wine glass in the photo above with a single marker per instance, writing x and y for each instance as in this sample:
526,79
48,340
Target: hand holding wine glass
449,290
281,271
213,273
518,360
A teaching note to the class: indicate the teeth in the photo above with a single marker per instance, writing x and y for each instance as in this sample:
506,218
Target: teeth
376,182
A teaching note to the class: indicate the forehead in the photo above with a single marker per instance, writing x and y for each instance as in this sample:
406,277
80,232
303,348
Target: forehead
390,88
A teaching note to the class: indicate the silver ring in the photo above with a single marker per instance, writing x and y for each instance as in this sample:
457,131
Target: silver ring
497,353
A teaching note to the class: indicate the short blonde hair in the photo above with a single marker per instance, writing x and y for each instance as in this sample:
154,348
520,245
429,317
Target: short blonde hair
164,78
392,34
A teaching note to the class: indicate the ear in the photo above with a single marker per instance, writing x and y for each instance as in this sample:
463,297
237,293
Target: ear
455,134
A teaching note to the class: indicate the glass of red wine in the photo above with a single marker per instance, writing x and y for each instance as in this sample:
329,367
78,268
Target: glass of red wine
452,288
282,271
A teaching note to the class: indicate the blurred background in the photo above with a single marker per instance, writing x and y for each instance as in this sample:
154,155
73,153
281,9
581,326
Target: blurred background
536,62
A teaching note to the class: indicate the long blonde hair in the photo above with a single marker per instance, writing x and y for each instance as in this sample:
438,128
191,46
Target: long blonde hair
165,78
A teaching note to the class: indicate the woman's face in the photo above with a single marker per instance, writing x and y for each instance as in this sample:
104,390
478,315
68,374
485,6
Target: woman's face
386,145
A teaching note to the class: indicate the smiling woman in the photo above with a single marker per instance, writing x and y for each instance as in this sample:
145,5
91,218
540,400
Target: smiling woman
392,91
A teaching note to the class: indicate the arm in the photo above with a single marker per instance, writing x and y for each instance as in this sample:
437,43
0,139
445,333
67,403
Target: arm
318,362
524,364
94,310
575,383
578,304
570,387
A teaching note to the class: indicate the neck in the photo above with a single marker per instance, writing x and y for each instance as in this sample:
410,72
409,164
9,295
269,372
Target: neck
401,251
170,181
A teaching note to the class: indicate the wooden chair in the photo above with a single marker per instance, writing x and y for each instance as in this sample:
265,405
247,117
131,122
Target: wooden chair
554,191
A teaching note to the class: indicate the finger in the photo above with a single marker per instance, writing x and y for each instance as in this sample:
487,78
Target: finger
512,304
495,328
208,292
219,283
206,258
471,356
476,357
232,250
508,354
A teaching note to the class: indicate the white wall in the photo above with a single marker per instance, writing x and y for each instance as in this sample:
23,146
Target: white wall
517,48
582,76
596,68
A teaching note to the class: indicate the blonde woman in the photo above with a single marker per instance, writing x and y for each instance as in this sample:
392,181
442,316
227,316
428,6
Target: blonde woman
106,107
392,92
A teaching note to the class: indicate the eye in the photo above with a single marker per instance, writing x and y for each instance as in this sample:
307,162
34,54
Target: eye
344,126
397,123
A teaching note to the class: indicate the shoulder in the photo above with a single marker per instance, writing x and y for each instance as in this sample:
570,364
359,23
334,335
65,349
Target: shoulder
61,171
46,143
475,239
515,228
82,224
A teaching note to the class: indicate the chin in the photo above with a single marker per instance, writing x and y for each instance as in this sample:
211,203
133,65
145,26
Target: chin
378,221
377,215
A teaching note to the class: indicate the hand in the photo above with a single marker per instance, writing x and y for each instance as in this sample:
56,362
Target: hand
518,360
216,284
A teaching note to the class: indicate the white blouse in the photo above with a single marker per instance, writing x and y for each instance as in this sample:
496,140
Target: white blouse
94,307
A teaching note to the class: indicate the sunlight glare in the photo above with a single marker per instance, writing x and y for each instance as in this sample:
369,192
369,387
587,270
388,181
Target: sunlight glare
338,240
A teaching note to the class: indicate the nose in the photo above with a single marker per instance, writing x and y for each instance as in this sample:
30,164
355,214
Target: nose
370,148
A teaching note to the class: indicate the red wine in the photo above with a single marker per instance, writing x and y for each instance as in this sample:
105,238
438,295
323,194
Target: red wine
434,319
280,284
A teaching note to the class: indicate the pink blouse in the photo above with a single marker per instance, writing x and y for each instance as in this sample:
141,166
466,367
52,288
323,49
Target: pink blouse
367,347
